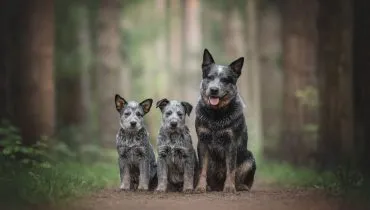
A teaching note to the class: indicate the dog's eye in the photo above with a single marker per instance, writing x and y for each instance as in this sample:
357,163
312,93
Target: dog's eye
210,77
127,114
179,114
168,113
139,114
227,80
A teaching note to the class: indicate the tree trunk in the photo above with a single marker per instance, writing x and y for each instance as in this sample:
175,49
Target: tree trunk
175,45
361,84
34,98
335,81
192,54
108,68
85,54
299,64
270,45
10,16
253,73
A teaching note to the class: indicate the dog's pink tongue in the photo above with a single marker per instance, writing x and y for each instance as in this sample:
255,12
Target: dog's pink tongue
214,101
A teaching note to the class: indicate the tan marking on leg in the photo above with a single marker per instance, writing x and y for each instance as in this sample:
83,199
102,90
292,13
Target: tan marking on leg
202,184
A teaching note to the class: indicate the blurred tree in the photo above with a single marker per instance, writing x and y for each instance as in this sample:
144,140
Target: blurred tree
192,48
34,83
109,68
253,70
335,81
174,43
191,54
361,84
85,55
67,59
10,16
299,65
270,45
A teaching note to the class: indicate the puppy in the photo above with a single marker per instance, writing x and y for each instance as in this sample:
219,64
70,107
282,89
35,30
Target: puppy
177,161
136,159
225,162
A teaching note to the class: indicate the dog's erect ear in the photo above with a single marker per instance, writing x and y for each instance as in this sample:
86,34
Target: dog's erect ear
237,65
162,103
207,58
120,102
188,107
146,105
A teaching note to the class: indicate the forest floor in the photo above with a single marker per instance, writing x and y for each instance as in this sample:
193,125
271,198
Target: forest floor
262,197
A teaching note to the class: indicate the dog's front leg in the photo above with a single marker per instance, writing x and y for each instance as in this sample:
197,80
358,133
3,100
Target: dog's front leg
203,162
144,175
189,173
231,154
124,174
162,175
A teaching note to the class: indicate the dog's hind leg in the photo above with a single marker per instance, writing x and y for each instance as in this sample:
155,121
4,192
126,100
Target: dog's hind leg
245,174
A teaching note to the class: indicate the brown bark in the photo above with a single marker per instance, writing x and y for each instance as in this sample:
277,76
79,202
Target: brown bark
253,69
34,98
299,64
192,53
361,84
335,81
271,88
174,44
108,68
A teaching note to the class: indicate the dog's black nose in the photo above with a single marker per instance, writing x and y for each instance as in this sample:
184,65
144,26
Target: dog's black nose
133,124
173,124
214,90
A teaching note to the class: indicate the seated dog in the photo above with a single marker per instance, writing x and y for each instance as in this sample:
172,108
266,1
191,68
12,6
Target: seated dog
225,161
177,161
136,159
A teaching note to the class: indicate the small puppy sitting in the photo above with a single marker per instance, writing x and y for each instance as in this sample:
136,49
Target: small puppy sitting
177,161
136,159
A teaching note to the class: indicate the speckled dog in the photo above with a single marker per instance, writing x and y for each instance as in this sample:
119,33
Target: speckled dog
225,161
177,161
136,159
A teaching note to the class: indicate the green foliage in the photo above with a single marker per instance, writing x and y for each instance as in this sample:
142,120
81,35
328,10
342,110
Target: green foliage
61,181
35,174
14,150
343,180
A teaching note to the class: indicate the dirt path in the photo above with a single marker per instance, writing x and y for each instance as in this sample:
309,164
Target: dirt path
261,198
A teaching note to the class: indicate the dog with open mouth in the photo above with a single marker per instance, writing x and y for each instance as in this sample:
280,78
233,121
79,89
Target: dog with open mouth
224,159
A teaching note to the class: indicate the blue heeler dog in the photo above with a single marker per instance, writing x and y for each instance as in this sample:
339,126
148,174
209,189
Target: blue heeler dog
225,162
136,160
177,161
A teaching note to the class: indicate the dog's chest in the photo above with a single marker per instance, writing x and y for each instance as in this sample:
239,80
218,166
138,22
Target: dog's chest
174,151
131,148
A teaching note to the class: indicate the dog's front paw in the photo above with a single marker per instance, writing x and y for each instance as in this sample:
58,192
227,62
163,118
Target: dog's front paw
161,189
187,190
229,188
143,188
124,187
201,189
